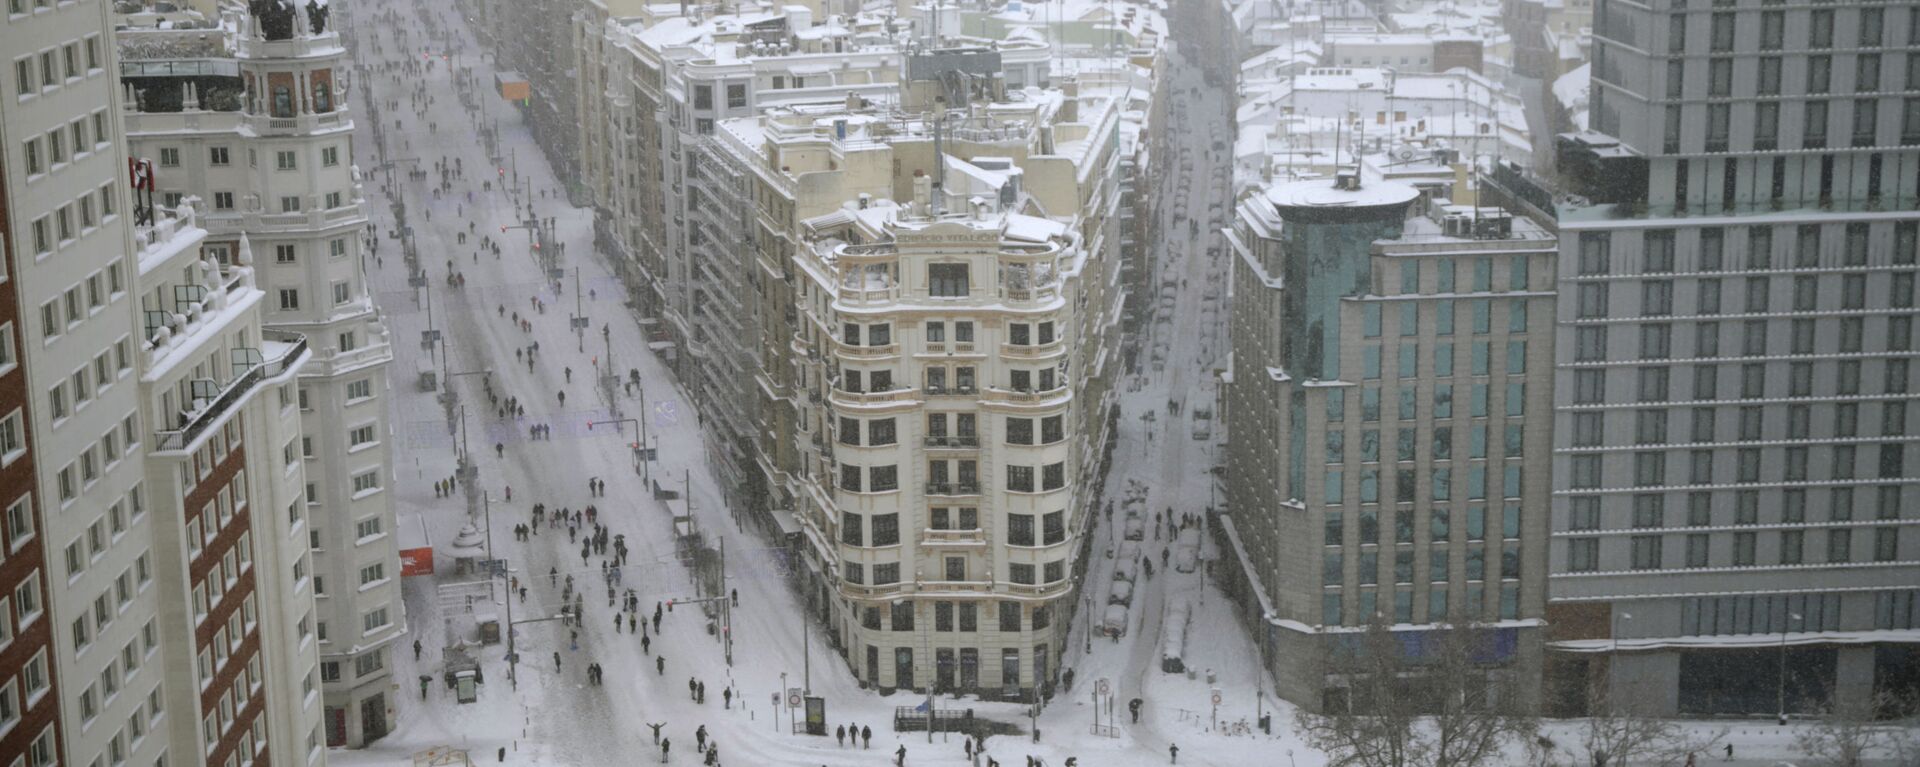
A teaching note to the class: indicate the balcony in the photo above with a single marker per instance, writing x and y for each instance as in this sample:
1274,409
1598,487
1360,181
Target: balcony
974,537
951,391
1033,351
997,394
251,366
871,398
953,443
867,352
953,488
298,124
950,587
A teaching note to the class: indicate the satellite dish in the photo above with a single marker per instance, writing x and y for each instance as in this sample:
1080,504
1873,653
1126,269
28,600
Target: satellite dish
1403,153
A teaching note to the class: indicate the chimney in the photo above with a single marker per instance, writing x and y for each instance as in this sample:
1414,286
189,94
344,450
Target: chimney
923,193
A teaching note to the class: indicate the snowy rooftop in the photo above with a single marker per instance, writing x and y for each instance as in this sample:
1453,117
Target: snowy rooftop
1323,193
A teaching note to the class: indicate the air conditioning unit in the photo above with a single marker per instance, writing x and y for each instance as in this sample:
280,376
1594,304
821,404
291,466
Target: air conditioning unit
1456,225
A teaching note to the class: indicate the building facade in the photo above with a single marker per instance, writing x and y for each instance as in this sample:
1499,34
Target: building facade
1391,366
952,358
259,131
1733,463
79,523
175,618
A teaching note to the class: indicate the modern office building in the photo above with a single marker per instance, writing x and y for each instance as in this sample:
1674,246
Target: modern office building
1391,369
252,120
1733,446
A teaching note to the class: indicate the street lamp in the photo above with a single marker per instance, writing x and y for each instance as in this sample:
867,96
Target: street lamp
513,657
1613,652
1780,698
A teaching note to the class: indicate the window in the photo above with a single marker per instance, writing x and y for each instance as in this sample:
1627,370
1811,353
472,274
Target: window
947,280
373,573
1646,552
1020,479
1009,616
374,621
366,482
1020,529
1053,476
19,525
285,160
886,529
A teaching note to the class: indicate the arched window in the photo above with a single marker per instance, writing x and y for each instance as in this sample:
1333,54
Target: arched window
322,97
282,101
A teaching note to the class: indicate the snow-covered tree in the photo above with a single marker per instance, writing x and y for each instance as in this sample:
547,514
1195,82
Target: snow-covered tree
1438,705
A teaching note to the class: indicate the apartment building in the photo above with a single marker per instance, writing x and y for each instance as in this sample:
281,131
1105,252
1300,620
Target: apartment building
236,650
673,78
250,118
29,720
950,355
1391,366
1733,455
79,517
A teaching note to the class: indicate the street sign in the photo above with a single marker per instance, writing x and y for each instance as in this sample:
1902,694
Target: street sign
667,412
581,322
793,697
556,273
775,696
1100,687
1216,697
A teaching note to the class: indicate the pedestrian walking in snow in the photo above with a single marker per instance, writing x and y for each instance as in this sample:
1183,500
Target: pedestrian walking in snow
646,645
840,735
866,737
726,698
700,738
900,756
556,660
660,664
666,745
1173,754
416,649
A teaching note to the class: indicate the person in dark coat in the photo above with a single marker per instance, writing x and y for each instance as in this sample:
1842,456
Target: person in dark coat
866,737
840,734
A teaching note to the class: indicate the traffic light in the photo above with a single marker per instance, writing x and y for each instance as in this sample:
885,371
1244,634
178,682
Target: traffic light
502,172
589,426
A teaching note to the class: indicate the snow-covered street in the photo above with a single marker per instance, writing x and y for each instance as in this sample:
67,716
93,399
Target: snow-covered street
552,714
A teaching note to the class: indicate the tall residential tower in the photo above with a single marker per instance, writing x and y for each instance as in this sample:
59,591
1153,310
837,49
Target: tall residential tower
252,119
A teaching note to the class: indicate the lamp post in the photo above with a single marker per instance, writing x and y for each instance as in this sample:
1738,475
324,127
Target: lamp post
1613,652
1780,695
513,657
